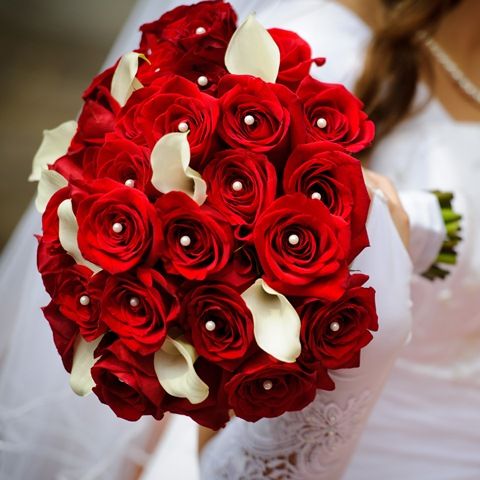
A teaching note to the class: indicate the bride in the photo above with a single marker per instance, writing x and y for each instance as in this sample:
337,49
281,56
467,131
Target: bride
330,428
427,423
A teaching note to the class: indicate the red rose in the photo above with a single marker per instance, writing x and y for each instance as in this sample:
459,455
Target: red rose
243,270
121,160
51,257
332,113
170,103
127,383
241,184
303,248
208,25
333,334
197,241
325,170
212,412
78,302
295,57
64,331
219,324
267,388
97,117
118,227
258,116
195,66
138,307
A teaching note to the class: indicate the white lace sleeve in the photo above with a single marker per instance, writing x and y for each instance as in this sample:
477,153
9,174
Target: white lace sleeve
317,442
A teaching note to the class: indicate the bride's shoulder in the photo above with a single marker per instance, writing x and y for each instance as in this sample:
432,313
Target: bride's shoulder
333,30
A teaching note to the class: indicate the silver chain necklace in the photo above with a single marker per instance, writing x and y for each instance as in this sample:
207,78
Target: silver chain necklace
455,72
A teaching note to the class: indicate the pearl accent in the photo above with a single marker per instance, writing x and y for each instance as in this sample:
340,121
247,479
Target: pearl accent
249,120
321,123
267,385
200,31
334,326
293,239
134,302
183,127
185,241
210,325
157,69
130,183
237,186
202,81
84,300
316,196
117,227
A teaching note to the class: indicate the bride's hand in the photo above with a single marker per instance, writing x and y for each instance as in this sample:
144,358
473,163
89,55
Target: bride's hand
375,181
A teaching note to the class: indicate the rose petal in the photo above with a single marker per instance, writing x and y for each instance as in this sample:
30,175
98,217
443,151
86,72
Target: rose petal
252,51
67,233
174,368
81,379
170,159
50,183
124,82
54,145
276,323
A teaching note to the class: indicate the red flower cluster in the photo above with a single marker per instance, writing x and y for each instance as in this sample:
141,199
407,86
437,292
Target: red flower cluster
285,202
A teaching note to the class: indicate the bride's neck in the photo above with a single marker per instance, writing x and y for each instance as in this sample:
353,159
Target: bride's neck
370,11
459,34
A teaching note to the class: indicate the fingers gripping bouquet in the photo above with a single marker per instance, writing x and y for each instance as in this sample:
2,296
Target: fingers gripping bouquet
199,222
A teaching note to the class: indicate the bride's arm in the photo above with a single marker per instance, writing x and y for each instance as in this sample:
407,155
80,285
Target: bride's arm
320,440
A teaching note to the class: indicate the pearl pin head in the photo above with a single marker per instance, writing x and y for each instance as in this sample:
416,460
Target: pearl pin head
84,300
134,302
210,325
321,123
130,183
237,186
185,241
183,127
249,120
117,227
334,326
202,81
267,385
201,31
316,196
293,239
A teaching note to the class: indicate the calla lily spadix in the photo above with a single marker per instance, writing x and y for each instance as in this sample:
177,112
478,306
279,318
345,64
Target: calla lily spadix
124,82
67,233
175,371
54,145
170,161
81,380
252,51
276,323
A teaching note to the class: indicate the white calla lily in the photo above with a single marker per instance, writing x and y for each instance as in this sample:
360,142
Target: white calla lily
54,145
170,161
252,51
175,371
276,323
81,380
50,183
67,233
124,81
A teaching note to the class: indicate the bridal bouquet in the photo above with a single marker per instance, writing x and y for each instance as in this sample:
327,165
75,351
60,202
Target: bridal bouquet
199,222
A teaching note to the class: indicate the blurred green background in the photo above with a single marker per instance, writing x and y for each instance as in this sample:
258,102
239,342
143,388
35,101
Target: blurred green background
49,51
